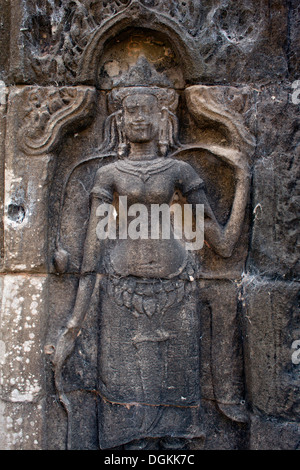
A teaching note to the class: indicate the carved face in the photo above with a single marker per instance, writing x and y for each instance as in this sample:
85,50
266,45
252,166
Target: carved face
141,117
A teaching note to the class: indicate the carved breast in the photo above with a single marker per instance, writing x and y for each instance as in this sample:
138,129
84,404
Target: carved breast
147,183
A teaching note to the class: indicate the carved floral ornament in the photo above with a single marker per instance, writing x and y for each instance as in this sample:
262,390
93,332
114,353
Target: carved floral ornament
186,12
51,111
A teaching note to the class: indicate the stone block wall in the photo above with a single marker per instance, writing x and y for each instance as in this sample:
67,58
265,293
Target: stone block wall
57,60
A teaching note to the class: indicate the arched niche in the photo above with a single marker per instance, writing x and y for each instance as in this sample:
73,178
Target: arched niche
139,19
123,51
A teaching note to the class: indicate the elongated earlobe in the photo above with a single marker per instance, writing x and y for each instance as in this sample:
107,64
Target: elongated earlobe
123,144
163,141
173,129
168,131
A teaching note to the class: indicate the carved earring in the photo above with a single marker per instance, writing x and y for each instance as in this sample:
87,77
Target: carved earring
163,141
173,129
123,144
110,137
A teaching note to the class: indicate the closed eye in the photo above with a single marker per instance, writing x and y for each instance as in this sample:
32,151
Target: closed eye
131,110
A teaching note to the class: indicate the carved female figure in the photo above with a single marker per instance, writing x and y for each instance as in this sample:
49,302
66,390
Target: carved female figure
149,324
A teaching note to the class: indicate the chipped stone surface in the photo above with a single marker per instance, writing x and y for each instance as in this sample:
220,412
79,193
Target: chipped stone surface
22,387
58,63
21,426
3,110
272,434
22,330
271,315
4,36
276,204
229,42
275,207
25,215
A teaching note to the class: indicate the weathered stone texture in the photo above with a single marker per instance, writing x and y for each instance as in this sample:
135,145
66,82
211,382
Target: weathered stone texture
3,111
22,387
272,434
275,203
4,37
293,39
22,426
275,242
233,42
22,337
272,325
235,68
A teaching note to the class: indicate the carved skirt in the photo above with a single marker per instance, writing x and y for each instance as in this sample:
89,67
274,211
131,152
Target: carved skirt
149,383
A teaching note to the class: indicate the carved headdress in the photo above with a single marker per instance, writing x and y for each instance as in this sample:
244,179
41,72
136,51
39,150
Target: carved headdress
141,78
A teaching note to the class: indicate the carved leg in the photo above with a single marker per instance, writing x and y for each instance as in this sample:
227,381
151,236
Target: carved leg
142,444
237,413
173,443
227,354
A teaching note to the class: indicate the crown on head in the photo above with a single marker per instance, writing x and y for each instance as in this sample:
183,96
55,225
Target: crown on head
143,78
142,74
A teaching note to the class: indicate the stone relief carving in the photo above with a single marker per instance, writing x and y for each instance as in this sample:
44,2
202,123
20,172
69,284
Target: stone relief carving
67,29
50,112
245,307
145,290
59,35
185,12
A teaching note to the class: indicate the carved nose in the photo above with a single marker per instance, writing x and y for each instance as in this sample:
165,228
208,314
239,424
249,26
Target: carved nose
140,116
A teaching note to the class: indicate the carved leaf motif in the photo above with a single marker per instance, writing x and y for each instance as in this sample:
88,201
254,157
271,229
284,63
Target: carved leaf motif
137,302
49,112
127,298
187,12
180,292
149,306
172,297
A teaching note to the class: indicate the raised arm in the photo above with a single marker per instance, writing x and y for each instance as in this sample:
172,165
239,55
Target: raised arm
224,238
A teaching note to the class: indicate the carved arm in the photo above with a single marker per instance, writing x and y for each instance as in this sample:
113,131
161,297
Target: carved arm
224,238
87,284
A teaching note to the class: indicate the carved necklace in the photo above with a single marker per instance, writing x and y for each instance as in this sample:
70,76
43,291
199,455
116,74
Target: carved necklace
144,169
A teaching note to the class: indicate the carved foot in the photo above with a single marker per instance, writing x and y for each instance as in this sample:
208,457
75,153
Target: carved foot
237,413
61,259
142,444
173,443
